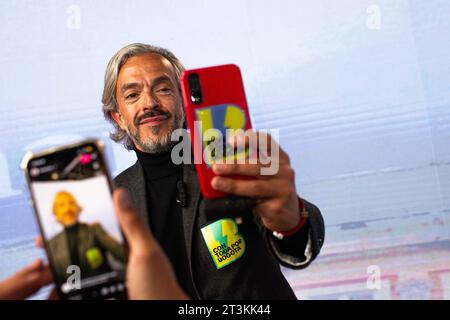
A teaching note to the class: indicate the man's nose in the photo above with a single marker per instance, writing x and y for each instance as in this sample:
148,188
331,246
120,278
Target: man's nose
150,100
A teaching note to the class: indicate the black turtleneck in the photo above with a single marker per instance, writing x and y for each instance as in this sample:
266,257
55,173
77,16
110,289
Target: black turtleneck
164,212
72,243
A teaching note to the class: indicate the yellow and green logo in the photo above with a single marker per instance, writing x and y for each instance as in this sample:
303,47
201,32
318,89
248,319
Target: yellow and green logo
94,257
216,120
224,242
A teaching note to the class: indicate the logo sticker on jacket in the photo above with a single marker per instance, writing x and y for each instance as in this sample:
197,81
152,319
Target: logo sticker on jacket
94,257
224,242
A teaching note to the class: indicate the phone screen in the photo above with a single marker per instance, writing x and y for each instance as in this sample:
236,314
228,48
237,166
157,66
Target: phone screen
73,202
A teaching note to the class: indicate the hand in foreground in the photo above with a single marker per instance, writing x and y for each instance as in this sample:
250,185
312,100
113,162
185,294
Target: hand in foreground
26,282
149,273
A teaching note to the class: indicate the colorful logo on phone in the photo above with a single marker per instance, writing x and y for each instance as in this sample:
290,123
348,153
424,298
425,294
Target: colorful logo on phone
224,242
216,121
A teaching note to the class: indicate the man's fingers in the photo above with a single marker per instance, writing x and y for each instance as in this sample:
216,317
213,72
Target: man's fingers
33,267
252,170
26,281
268,147
38,272
137,233
47,276
249,188
259,141
40,277
39,242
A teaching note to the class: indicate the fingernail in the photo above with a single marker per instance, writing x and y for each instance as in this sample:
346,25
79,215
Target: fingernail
218,183
218,167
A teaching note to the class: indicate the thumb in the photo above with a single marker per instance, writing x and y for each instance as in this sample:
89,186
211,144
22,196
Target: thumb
137,233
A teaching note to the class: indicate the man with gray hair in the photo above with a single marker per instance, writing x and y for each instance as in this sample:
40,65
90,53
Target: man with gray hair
216,259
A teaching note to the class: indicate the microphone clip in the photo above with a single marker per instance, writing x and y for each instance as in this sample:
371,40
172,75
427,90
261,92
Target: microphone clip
181,194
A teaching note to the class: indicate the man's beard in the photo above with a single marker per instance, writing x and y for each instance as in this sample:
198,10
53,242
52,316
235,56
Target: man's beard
156,145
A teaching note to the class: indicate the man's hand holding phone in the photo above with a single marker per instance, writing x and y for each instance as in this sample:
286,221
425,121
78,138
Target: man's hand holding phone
274,191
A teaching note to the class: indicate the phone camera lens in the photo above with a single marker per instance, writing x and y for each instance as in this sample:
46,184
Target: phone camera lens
195,87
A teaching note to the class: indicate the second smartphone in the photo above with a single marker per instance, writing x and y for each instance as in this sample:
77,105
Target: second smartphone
71,189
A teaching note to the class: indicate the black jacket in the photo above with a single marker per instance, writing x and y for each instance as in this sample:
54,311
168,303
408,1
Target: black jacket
229,261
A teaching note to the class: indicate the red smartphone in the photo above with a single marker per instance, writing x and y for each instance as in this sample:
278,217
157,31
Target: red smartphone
215,104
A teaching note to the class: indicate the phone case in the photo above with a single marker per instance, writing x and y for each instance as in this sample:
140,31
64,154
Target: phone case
223,106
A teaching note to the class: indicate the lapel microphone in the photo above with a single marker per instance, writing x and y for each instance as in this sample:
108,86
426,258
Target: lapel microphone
181,186
181,196
181,190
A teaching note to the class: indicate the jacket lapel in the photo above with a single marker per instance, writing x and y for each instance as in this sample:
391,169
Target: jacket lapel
138,190
190,210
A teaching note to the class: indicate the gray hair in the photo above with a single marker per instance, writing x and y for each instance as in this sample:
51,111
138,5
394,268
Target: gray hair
109,100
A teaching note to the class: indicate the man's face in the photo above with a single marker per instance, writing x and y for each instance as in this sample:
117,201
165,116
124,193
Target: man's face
149,101
66,209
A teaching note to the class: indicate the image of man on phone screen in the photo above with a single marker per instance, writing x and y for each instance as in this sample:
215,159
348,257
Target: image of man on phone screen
88,246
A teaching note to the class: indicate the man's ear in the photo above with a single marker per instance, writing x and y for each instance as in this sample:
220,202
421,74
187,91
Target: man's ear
117,117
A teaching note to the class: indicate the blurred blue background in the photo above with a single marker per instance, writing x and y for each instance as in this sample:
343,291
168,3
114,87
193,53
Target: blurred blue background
359,90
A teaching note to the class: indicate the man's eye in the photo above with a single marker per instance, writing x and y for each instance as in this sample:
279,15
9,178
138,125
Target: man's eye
164,90
131,96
